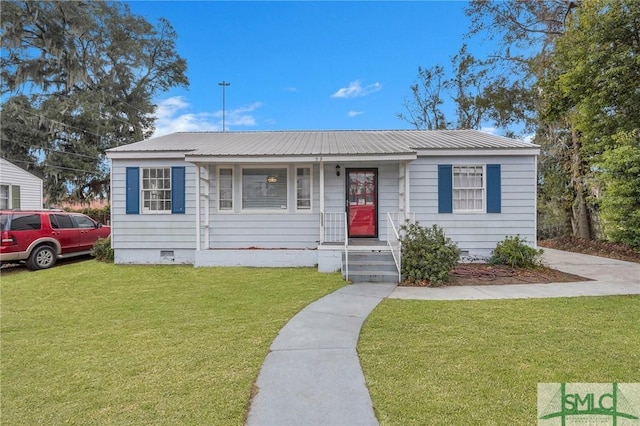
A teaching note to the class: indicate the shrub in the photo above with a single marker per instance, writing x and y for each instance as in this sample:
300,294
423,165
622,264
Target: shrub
102,250
515,252
427,255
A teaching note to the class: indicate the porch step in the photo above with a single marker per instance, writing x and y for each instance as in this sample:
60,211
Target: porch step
371,266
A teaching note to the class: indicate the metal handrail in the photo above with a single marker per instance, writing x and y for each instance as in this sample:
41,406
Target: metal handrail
393,240
346,249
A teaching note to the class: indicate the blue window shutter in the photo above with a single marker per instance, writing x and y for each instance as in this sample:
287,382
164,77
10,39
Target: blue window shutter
494,191
445,188
177,190
133,190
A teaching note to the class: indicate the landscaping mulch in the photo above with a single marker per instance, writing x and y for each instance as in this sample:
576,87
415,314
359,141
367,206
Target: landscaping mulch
593,247
485,274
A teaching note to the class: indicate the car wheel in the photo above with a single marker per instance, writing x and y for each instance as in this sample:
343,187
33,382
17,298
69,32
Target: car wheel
42,257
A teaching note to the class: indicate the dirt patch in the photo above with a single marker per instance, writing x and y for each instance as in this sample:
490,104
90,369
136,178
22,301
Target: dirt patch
593,247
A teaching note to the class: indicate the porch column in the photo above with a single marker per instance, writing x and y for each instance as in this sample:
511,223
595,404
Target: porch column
321,164
198,237
407,186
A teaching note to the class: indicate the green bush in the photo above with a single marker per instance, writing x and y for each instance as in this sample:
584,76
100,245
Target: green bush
102,250
427,255
515,252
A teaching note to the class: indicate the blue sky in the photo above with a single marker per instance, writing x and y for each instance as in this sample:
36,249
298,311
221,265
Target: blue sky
302,65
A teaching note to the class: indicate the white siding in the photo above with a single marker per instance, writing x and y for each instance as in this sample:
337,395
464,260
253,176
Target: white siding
150,233
478,233
30,185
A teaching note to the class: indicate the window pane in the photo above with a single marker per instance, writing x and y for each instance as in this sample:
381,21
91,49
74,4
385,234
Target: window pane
156,189
25,222
225,189
264,189
303,184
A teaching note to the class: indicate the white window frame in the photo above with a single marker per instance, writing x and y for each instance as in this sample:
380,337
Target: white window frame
11,198
265,211
310,208
143,210
483,188
220,208
8,198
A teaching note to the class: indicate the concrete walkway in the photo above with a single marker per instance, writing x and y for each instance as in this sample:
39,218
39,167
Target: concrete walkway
312,376
610,277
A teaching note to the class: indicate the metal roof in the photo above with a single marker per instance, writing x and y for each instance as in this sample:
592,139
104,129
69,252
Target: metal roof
306,143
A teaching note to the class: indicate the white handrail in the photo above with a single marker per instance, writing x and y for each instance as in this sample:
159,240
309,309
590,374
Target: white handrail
393,240
346,249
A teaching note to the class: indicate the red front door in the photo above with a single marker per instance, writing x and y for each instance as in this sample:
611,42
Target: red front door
362,202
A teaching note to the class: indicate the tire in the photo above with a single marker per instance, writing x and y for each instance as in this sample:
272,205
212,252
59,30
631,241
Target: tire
42,257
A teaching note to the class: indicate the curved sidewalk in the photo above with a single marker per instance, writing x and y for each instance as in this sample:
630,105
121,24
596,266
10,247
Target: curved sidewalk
312,376
608,277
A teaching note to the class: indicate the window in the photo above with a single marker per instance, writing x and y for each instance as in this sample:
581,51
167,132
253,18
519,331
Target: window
84,222
225,189
156,190
303,188
9,197
25,222
264,189
4,197
61,221
468,188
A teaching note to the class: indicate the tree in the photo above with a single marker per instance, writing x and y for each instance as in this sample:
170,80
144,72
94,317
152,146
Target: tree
595,70
79,78
527,33
425,105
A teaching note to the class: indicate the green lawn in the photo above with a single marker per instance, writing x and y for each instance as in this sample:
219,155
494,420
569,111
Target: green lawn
94,343
479,362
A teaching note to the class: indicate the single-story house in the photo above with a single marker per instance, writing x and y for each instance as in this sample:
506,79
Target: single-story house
19,189
304,198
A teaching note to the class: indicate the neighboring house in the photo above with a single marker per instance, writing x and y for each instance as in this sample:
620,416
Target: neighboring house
19,189
304,198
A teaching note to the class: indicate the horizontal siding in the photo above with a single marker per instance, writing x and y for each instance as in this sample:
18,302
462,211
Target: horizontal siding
151,231
478,233
30,185
264,230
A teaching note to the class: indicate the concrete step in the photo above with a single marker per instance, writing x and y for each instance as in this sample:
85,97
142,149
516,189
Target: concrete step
371,266
373,277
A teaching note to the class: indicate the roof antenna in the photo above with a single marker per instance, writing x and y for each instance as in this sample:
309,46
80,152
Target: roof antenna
224,84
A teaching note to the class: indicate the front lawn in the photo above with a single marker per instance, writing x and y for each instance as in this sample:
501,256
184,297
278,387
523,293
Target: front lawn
479,362
94,343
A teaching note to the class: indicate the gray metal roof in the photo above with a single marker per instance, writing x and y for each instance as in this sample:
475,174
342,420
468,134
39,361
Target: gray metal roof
302,143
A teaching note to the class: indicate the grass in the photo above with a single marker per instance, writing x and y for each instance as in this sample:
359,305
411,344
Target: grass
95,343
479,362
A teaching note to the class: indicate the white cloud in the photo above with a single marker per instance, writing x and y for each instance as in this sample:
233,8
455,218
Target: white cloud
354,113
290,89
489,130
355,89
171,119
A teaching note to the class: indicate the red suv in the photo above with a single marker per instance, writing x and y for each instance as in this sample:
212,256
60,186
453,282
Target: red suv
40,237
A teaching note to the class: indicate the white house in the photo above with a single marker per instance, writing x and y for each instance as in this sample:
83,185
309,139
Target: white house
304,198
19,189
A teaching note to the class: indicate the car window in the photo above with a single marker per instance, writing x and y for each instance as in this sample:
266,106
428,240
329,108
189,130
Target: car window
61,221
4,222
25,222
84,221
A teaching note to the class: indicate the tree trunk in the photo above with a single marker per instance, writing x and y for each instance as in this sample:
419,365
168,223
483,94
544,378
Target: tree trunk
581,217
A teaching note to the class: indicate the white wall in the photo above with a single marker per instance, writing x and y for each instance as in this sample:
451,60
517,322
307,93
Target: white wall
30,185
